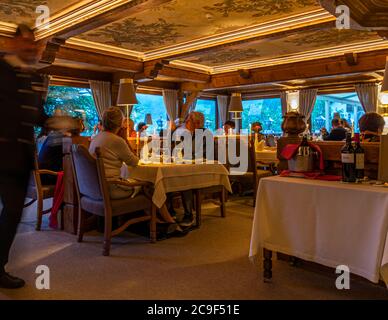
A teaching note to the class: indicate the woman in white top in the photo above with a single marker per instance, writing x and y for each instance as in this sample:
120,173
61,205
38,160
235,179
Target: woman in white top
114,152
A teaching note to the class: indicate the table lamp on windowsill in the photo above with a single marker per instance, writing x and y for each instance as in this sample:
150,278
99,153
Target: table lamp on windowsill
126,97
235,105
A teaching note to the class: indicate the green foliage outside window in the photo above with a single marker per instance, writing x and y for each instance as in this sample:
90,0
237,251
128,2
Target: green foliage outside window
153,104
208,108
267,111
75,102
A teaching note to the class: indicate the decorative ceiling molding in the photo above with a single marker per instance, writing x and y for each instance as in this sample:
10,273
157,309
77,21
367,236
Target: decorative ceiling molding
75,15
276,26
304,56
7,29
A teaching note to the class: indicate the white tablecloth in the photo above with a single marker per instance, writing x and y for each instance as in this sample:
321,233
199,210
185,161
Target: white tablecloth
330,223
180,177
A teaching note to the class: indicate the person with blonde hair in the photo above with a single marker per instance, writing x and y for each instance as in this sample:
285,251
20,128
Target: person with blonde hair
115,151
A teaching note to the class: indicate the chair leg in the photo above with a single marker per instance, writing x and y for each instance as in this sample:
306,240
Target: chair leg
198,205
153,224
223,200
39,213
107,235
81,224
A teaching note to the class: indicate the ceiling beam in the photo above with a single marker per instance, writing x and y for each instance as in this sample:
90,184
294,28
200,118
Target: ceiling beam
82,56
160,69
72,73
106,17
367,62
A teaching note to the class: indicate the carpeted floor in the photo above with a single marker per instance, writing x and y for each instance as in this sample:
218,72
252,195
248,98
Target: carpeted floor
209,263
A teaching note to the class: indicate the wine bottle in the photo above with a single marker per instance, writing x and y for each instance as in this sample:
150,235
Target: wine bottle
359,154
348,160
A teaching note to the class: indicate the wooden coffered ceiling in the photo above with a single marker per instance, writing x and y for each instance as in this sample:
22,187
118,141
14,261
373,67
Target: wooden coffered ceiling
211,45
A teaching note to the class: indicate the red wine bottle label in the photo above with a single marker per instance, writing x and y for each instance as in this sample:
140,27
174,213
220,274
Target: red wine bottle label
347,157
360,161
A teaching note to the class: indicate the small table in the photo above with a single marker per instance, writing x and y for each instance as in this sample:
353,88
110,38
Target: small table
180,177
330,223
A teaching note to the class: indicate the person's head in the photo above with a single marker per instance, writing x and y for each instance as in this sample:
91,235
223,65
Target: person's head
372,122
142,126
100,127
24,45
256,127
345,123
112,119
229,125
335,123
79,128
324,131
128,122
195,120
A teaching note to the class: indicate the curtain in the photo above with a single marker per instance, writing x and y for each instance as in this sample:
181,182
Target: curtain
170,98
284,102
101,91
368,95
222,103
307,98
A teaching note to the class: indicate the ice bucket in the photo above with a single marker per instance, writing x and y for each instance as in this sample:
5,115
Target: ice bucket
301,163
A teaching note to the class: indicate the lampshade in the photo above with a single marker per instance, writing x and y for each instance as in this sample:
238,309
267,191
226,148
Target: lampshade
148,119
127,95
235,104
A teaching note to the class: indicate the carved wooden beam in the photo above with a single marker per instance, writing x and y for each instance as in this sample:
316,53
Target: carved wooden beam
81,56
351,58
52,47
72,73
335,66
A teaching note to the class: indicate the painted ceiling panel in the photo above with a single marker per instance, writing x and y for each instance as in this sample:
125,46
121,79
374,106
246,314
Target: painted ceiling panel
280,46
181,20
24,11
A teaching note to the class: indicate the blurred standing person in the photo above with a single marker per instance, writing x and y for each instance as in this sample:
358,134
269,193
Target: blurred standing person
21,108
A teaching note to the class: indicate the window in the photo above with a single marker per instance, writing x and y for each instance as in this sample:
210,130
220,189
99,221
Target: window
208,108
346,104
75,102
153,104
267,111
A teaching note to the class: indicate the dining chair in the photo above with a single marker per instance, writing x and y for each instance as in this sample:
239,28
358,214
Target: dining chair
94,197
39,192
253,174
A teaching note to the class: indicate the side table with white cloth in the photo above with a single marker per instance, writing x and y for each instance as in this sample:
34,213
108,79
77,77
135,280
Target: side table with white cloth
172,177
330,223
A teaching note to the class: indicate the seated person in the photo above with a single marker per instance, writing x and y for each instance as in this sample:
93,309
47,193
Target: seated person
345,124
128,128
76,132
50,156
141,128
115,151
229,125
371,126
194,121
337,133
256,127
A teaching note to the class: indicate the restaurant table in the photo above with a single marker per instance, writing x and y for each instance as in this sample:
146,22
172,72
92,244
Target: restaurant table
180,177
267,155
330,223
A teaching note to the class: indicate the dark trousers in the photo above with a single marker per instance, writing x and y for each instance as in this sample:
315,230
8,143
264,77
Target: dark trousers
188,202
13,190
